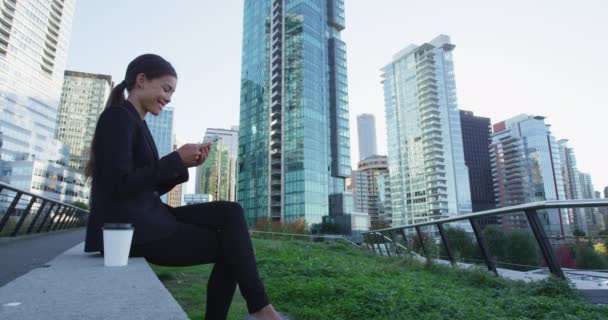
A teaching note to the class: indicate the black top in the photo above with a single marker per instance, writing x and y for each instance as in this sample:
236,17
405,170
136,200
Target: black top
128,178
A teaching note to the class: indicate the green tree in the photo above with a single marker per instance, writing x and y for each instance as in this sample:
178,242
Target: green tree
578,233
587,258
463,246
81,205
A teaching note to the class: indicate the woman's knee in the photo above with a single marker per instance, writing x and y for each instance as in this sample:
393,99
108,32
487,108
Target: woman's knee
234,211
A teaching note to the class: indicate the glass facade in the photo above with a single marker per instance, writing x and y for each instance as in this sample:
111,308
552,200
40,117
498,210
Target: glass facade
34,39
366,130
83,98
428,176
222,167
294,133
526,167
370,189
161,127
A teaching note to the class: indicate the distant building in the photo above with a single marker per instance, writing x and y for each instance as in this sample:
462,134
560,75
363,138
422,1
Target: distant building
572,186
526,167
46,179
218,175
194,198
428,175
161,127
83,98
176,194
369,188
591,214
366,130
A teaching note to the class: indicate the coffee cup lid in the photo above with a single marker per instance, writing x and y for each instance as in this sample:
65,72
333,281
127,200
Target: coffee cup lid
117,226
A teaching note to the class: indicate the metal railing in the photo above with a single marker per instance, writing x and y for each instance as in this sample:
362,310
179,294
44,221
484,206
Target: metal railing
384,241
23,213
307,237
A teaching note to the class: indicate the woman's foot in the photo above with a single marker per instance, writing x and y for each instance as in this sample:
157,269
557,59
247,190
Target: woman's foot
267,313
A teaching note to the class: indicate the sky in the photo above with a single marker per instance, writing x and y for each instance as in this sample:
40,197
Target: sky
542,57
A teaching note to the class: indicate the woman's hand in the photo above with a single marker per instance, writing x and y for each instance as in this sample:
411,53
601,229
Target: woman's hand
194,154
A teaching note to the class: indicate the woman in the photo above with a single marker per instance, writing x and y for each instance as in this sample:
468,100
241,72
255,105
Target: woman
128,179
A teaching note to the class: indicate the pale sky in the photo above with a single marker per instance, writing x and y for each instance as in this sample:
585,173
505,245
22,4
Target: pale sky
542,57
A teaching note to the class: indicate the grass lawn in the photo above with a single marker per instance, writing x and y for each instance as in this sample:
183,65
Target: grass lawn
338,281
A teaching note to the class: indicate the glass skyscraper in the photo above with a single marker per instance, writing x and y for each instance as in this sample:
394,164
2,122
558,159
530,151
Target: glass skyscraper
161,127
428,176
294,149
220,166
34,39
83,98
366,131
526,167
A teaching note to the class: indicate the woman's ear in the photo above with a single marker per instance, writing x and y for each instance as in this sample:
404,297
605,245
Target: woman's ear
140,80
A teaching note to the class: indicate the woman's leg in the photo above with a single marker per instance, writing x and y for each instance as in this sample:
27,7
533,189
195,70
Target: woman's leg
234,246
194,245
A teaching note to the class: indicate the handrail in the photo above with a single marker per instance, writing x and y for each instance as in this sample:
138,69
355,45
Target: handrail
62,215
540,205
530,210
305,235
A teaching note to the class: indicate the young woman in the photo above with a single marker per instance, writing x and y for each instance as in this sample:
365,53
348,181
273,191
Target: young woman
128,179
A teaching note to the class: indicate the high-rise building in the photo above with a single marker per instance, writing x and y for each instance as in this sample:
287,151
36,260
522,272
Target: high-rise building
476,140
194,198
34,39
588,192
369,189
83,98
161,127
602,218
174,197
294,147
217,176
366,130
526,167
428,176
572,185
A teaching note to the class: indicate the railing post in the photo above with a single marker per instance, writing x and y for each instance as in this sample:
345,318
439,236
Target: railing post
388,250
61,217
46,216
25,213
57,215
378,243
64,221
419,232
38,212
10,210
543,244
485,252
446,243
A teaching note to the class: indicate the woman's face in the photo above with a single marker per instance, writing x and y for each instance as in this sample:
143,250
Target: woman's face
155,93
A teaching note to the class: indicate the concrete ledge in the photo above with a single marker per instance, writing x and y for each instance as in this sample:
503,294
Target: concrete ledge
76,285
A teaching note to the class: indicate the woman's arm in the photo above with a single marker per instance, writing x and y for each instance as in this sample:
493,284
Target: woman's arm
115,135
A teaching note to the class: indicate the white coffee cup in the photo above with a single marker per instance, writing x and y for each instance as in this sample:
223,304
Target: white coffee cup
117,243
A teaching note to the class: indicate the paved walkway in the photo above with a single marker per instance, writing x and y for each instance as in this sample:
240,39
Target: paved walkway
23,254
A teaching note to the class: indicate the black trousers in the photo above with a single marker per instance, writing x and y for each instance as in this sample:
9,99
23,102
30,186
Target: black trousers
214,232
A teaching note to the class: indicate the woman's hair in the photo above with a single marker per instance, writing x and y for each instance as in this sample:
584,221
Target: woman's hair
152,66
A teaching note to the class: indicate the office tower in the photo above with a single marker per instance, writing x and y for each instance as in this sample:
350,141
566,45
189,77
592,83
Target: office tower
174,198
369,189
603,221
213,176
34,39
83,98
428,176
572,186
476,140
588,192
294,150
220,167
526,167
194,198
366,130
161,127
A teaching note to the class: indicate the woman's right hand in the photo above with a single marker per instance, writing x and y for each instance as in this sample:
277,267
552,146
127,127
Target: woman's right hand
191,154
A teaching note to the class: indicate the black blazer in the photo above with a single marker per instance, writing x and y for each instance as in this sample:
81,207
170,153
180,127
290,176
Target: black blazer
128,178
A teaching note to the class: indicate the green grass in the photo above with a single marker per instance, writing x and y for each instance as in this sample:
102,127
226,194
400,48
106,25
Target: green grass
336,281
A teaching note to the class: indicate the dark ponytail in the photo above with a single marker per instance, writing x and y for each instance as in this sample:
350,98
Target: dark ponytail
152,66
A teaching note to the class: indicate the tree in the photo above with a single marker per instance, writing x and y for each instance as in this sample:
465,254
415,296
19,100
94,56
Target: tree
603,233
587,258
81,205
462,245
578,233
